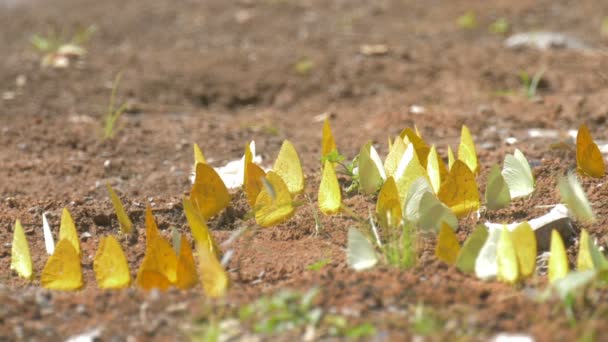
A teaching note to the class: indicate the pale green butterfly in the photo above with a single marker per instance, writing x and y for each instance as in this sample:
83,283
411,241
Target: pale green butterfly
432,213
518,175
574,197
497,190
360,253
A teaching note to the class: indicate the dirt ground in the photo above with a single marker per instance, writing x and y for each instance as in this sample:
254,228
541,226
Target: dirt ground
221,73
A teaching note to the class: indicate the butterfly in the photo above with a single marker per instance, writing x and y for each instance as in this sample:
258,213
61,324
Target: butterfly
360,253
436,169
408,171
328,144
199,228
394,156
447,245
459,190
370,169
466,150
589,159
209,194
413,198
49,243
159,267
67,230
433,213
329,197
471,248
507,268
62,270
21,260
558,260
486,266
288,167
518,175
497,190
185,274
213,277
388,206
126,226
420,146
274,204
589,256
110,265
524,241
574,197
253,182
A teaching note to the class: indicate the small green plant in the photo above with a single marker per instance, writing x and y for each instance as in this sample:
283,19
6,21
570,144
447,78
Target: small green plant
347,169
304,66
338,326
424,322
54,45
467,21
317,266
114,113
500,26
285,311
604,27
400,249
530,84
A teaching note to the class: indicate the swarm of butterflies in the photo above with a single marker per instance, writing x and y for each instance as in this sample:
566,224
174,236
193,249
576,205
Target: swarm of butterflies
414,186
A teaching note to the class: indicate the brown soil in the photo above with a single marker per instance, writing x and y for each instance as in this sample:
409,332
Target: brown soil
221,73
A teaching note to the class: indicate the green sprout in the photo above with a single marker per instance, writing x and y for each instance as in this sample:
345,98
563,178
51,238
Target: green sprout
317,266
500,26
604,27
530,84
114,113
467,21
347,169
304,66
400,249
424,322
54,44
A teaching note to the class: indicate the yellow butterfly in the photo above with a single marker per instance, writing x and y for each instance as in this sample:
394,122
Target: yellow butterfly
589,256
411,172
328,144
395,154
459,190
524,240
186,276
198,155
199,228
67,230
110,265
273,204
288,167
62,270
466,150
448,247
21,260
506,258
248,159
558,261
589,159
329,197
159,267
214,279
126,226
420,146
151,227
388,206
451,158
253,182
209,194
435,169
